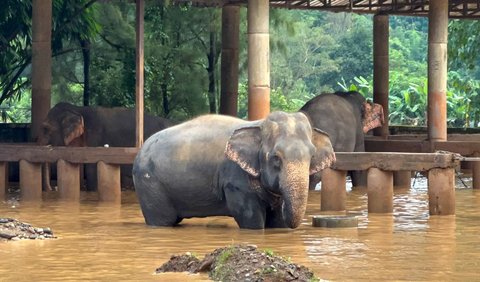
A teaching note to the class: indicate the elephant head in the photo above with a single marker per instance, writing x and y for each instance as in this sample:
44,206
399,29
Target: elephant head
281,152
372,116
64,126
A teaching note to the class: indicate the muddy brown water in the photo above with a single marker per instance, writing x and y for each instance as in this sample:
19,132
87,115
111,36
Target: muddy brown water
111,243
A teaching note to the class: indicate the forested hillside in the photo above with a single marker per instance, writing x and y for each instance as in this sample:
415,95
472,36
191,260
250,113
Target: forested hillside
311,53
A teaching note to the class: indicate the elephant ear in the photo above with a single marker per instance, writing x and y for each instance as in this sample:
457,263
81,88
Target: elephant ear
372,116
72,126
324,155
243,148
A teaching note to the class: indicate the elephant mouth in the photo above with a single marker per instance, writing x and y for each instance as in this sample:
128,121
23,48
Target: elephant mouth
374,117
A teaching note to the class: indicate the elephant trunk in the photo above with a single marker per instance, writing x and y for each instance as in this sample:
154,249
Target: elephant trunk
294,187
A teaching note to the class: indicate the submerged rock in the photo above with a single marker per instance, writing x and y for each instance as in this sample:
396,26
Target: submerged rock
240,263
12,229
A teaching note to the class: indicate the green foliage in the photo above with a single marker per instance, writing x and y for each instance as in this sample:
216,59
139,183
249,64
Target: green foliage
221,270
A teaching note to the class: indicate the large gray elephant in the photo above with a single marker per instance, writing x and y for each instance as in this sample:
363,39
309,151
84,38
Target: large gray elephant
70,125
257,171
346,117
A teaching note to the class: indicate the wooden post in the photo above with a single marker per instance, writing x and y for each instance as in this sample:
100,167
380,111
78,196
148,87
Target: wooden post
41,62
68,180
139,79
441,191
334,190
3,180
30,181
437,70
229,67
402,179
258,59
380,191
476,172
109,189
381,68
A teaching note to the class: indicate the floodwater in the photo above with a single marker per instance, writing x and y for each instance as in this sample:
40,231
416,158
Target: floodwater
112,243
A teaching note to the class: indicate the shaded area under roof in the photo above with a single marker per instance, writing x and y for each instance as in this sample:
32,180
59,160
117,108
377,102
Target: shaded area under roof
457,8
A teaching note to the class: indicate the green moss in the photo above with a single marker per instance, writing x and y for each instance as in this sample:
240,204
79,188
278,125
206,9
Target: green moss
221,270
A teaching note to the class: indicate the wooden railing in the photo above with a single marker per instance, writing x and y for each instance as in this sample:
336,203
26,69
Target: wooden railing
380,167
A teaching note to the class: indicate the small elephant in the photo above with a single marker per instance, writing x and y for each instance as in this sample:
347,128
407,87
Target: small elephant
346,117
254,171
70,125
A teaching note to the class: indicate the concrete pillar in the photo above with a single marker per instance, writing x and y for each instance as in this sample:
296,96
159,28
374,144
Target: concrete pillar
380,191
441,191
229,64
381,68
334,190
3,180
402,179
108,177
437,70
30,181
41,62
258,59
476,172
68,180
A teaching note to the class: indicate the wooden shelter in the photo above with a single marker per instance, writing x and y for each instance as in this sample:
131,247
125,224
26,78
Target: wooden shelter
438,12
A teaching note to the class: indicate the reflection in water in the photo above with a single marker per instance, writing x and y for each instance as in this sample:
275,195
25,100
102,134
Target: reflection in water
103,242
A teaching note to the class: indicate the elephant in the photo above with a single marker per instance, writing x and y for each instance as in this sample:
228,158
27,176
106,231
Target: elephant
70,125
346,117
254,171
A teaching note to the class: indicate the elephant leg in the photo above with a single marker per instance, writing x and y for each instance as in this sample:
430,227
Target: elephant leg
46,177
246,208
157,209
91,177
314,180
275,219
359,178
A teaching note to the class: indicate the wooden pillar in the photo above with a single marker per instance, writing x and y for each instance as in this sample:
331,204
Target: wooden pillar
229,67
30,181
41,62
402,179
109,189
258,59
3,180
139,82
68,180
381,68
380,191
437,70
441,191
334,190
476,172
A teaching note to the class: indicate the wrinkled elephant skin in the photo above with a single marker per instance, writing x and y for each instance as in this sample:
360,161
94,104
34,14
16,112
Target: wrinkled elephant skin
256,172
70,125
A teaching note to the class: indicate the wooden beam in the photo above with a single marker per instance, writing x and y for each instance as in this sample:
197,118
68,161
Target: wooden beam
380,68
114,155
395,161
68,180
3,180
30,181
109,189
139,76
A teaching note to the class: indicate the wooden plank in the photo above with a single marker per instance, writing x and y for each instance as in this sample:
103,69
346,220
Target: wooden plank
395,161
3,180
109,189
113,155
441,191
139,74
30,181
411,146
68,180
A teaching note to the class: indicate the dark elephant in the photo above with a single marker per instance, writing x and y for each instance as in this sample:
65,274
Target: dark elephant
256,172
346,117
70,125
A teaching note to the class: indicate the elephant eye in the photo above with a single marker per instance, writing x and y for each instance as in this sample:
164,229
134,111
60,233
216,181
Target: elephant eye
276,161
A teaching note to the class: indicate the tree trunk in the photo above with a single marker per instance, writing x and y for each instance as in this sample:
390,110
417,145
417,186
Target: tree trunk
211,74
86,71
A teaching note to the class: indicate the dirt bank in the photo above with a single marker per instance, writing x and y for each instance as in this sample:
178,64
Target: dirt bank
240,263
